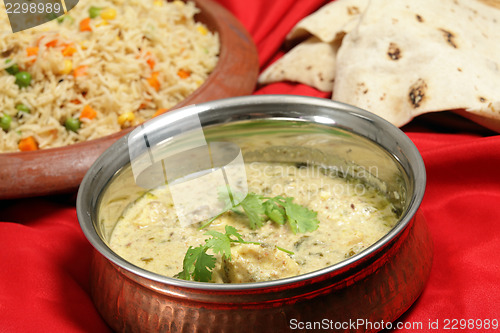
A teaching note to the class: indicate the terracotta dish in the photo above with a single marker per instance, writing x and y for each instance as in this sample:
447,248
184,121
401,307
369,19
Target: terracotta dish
376,285
60,170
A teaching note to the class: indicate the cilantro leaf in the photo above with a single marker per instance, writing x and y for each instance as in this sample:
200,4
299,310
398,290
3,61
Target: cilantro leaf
189,261
275,212
237,196
278,209
203,267
224,195
219,243
198,264
300,218
228,196
231,231
253,208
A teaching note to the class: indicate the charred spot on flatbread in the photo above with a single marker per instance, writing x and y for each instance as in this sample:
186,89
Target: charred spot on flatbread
482,99
394,52
417,93
353,10
449,37
362,87
419,18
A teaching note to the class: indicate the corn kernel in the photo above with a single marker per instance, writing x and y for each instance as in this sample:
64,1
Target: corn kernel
158,3
126,117
67,67
179,3
324,195
108,14
83,44
102,23
202,30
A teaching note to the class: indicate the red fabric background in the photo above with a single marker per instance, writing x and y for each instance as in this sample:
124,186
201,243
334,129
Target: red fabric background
44,256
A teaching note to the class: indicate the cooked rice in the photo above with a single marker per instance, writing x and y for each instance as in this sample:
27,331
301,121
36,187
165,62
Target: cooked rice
116,54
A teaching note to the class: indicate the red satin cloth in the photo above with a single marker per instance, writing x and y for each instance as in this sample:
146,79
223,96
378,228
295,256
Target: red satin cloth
45,258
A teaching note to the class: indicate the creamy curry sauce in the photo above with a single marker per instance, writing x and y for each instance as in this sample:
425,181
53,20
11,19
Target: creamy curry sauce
352,217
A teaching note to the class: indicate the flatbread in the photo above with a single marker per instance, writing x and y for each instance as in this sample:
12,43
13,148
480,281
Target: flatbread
311,62
406,58
330,21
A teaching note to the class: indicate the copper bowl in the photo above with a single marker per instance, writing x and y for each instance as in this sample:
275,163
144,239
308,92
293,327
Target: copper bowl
60,170
364,293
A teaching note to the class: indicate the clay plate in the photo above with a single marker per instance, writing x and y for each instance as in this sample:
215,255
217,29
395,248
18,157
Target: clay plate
60,170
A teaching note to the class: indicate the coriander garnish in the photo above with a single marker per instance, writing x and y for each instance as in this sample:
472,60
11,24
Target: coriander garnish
198,264
278,209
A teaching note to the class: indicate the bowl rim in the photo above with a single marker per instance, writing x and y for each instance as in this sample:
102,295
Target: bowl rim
84,207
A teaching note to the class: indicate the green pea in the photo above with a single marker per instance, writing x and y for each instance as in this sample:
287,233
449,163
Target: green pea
12,69
23,79
72,124
63,18
23,108
5,122
94,12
